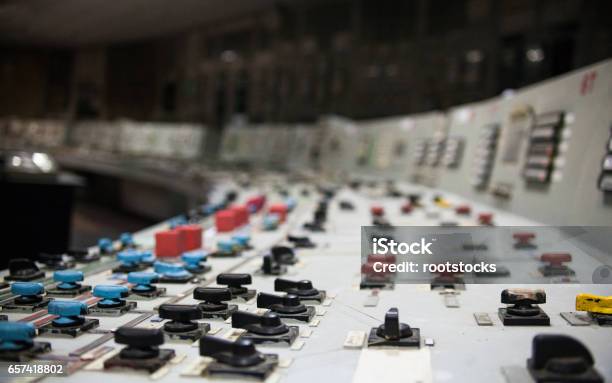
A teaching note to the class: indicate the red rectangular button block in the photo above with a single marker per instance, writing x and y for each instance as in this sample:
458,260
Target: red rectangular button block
242,214
256,203
192,236
463,210
279,209
225,220
169,243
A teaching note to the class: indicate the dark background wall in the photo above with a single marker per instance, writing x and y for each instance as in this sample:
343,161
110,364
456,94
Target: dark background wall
293,61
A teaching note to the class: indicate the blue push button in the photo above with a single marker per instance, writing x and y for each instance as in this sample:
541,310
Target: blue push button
226,246
105,245
142,280
27,288
209,209
193,258
14,335
177,221
69,312
147,256
111,295
68,279
291,203
171,270
130,257
270,221
126,239
242,239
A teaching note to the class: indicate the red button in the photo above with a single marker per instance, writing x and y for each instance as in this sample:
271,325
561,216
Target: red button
279,209
556,259
523,237
407,208
485,218
256,203
192,236
463,209
169,243
242,214
225,220
377,210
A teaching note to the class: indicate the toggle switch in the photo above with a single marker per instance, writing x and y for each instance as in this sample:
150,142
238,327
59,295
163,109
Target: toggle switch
24,270
142,350
270,266
284,255
598,307
238,359
393,333
213,305
303,289
561,359
56,261
286,306
301,241
235,282
523,309
346,205
266,328
181,326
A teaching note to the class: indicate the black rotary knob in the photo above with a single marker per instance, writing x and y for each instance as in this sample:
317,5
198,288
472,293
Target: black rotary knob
393,329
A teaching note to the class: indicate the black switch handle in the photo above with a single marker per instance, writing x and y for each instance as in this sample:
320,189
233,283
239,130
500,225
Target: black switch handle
180,313
212,294
234,279
241,353
281,284
265,300
560,353
523,296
